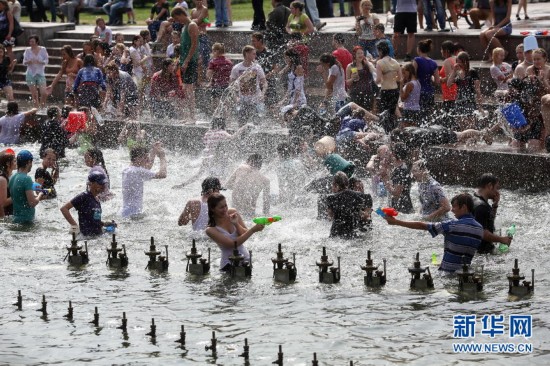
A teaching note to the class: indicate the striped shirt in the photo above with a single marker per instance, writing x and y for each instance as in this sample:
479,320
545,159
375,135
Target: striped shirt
462,238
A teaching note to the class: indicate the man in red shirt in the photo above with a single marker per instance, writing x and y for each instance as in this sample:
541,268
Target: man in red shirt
340,52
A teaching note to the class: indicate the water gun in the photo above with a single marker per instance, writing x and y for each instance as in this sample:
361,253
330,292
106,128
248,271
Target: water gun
38,188
434,259
111,227
387,211
206,21
266,220
510,232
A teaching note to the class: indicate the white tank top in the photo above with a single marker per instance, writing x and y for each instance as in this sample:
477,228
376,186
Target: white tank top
202,221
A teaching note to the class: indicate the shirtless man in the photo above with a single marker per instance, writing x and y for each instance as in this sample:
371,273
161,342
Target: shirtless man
529,45
196,211
247,183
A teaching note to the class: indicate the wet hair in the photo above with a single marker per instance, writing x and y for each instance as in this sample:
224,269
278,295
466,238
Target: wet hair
380,27
247,49
218,123
339,38
425,45
165,64
12,109
68,50
89,60
486,179
400,151
258,36
448,46
355,49
409,67
97,157
294,57
138,152
218,47
465,58
327,58
47,151
65,111
53,112
458,47
464,199
383,49
340,180
35,37
6,160
283,149
542,52
519,47
255,160
135,38
213,200
297,5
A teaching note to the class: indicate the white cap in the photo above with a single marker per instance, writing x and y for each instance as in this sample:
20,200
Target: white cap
530,43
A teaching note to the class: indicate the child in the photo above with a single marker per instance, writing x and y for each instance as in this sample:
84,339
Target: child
132,135
104,33
85,137
176,37
43,177
136,174
88,207
501,71
93,158
380,36
364,26
21,190
218,73
410,96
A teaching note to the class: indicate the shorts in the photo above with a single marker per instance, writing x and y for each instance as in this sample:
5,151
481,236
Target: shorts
130,5
5,83
35,80
507,29
190,75
533,133
404,21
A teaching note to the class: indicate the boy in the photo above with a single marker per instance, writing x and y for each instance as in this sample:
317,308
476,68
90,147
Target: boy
21,192
380,36
136,174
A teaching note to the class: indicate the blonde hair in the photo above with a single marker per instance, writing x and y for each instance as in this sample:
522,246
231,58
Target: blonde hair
497,51
368,2
120,46
542,52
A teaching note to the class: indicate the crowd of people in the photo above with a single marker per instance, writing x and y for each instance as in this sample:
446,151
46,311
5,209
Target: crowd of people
369,100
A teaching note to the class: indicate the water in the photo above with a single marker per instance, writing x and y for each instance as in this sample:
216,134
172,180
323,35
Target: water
341,322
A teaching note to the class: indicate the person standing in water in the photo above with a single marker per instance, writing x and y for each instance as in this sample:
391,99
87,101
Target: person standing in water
196,211
224,229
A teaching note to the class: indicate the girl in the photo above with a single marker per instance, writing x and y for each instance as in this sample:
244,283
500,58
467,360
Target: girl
88,207
295,96
298,22
335,90
70,67
6,68
104,33
359,79
218,73
388,74
468,97
426,69
36,59
224,229
448,92
364,25
87,83
501,71
93,158
502,25
410,96
166,91
7,166
43,177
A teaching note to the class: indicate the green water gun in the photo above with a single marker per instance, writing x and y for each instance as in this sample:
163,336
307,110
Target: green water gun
510,232
434,259
266,220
